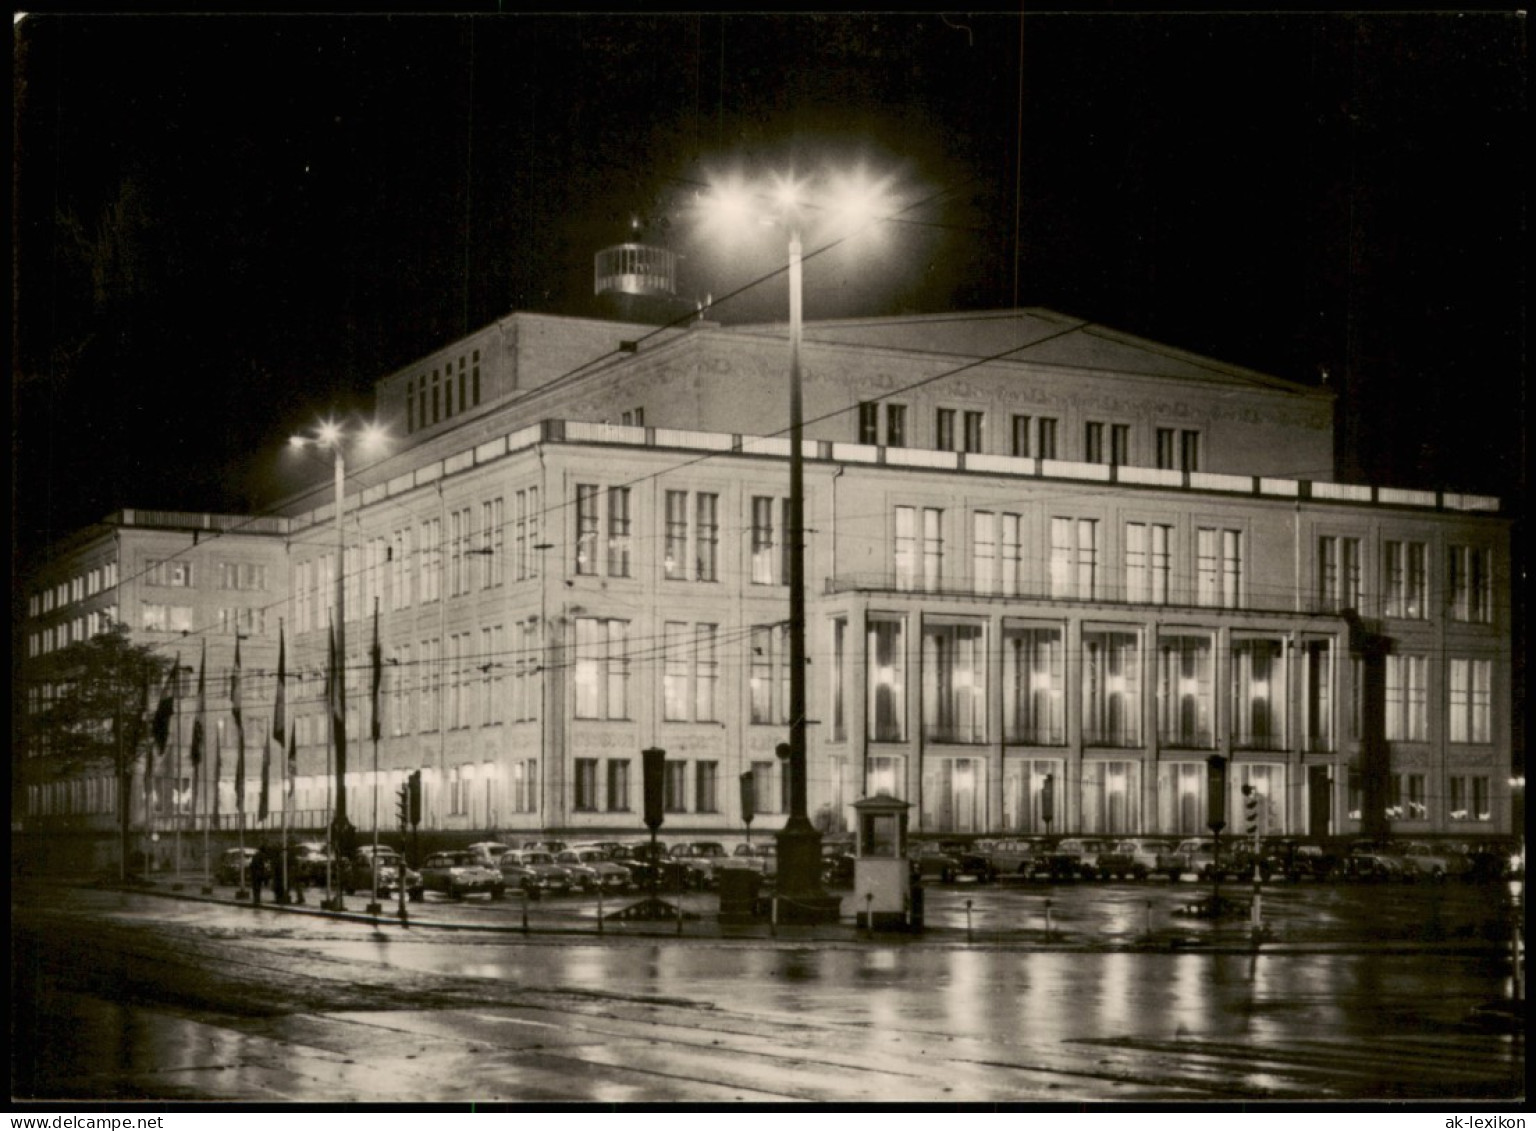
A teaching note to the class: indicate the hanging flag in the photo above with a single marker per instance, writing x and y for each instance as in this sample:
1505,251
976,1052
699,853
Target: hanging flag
160,728
280,711
197,724
378,669
218,769
293,756
236,710
337,697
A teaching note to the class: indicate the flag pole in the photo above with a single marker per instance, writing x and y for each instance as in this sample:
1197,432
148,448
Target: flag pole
375,658
176,794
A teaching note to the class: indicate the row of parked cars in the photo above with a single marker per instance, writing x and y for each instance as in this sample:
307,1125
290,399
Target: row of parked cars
1141,858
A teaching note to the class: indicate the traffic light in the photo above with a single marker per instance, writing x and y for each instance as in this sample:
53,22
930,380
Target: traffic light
403,806
413,794
1251,810
653,763
1216,793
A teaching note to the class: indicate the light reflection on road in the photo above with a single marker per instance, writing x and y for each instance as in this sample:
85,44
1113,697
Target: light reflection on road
991,993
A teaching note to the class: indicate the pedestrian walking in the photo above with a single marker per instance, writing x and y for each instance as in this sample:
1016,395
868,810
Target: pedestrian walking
258,874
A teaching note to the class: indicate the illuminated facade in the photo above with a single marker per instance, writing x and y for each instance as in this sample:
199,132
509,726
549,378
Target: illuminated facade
1051,569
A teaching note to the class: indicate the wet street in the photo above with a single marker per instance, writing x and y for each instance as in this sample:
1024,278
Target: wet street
119,995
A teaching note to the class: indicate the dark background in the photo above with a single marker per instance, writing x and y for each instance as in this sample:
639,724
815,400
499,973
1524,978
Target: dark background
227,225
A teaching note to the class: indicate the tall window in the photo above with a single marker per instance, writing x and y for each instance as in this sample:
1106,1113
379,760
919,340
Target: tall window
602,668
954,795
1471,584
675,787
1034,685
618,785
1407,698
922,550
1338,573
1119,444
1031,788
1471,700
1146,562
973,431
706,536
767,549
1181,802
768,674
1074,558
765,798
1317,694
705,788
1046,434
1469,799
944,430
172,574
984,552
1020,436
1218,568
1110,797
675,561
691,673
1186,690
1166,449
1189,451
887,679
1093,442
895,425
586,528
954,682
1111,678
1406,582
618,532
1258,693
586,785
869,422
841,668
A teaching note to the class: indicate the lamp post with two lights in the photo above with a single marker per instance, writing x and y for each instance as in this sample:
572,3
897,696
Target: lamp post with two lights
845,206
335,436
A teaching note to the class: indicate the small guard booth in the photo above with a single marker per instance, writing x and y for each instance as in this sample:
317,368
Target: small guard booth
882,896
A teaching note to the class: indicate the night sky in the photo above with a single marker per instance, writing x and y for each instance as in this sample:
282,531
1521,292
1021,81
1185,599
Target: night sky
226,225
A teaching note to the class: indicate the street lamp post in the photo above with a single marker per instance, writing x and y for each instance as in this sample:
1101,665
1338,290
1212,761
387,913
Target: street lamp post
800,894
333,436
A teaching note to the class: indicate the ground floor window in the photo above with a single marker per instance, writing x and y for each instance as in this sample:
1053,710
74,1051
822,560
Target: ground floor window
1111,797
1030,795
675,788
586,785
1266,782
1181,798
618,785
955,795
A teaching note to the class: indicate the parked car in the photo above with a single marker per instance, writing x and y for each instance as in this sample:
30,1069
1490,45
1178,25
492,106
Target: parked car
1193,854
1013,857
593,870
1128,860
551,876
489,852
234,867
1307,861
650,863
761,858
1370,863
550,846
1072,858
1426,862
310,862
701,858
459,874
931,862
390,866
974,864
